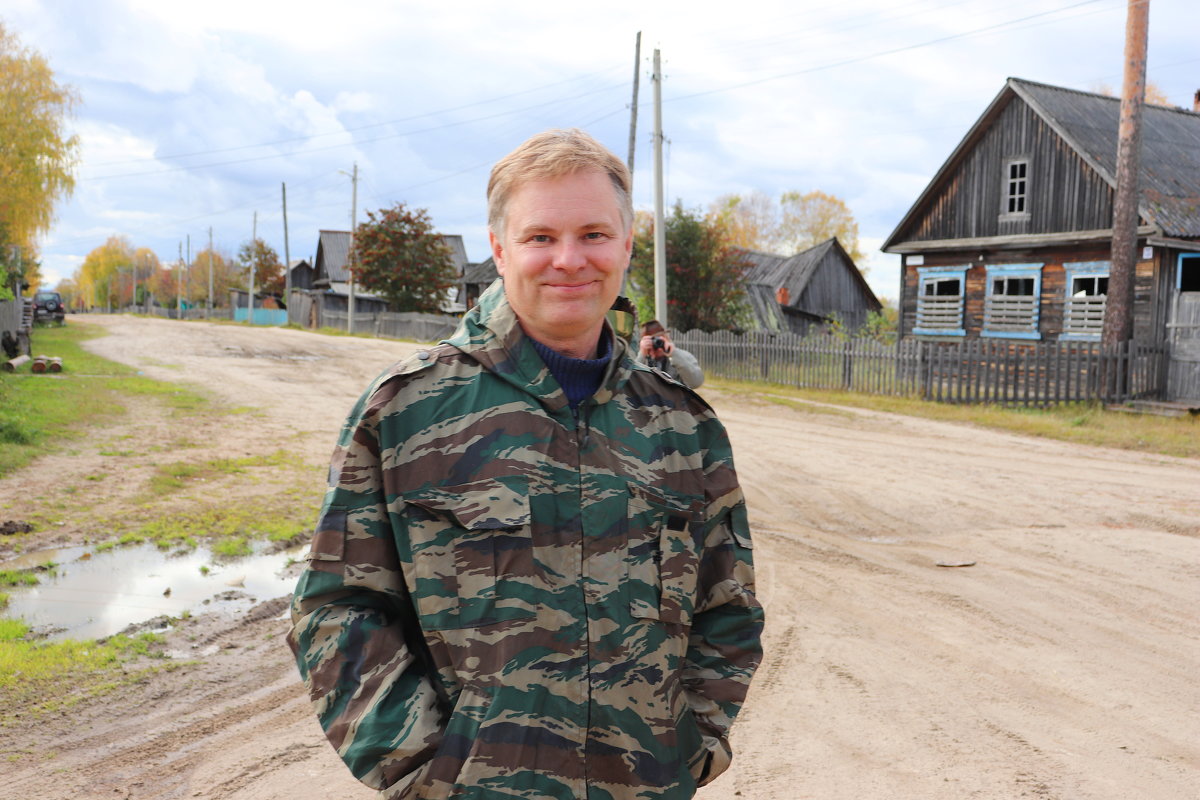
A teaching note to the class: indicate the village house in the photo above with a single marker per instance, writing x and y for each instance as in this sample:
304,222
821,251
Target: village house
1011,239
328,285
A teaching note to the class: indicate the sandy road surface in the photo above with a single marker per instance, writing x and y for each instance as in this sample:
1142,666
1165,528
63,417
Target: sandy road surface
1062,664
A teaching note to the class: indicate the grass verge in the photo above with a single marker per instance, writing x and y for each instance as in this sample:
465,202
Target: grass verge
40,411
1080,423
40,676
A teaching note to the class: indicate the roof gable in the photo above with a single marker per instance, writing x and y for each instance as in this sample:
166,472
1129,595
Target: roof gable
333,251
1087,124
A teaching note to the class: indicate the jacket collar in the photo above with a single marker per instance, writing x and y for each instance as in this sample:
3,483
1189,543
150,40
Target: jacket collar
491,334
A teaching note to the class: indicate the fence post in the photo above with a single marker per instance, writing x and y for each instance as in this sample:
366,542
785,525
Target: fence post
847,365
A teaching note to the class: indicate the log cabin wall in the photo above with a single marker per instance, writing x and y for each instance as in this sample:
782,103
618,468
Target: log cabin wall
1062,192
1150,311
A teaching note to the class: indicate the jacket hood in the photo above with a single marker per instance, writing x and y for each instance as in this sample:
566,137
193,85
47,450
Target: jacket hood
491,334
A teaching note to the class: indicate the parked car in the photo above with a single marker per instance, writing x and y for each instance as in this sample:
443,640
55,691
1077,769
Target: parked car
48,306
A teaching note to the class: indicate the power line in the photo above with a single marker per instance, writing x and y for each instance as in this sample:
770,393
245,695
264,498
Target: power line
880,54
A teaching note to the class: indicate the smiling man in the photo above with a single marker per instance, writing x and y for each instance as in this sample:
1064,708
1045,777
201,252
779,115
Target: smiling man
532,573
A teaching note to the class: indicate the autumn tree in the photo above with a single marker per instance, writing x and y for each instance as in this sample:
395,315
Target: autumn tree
164,284
705,275
798,222
1154,96
268,269
750,221
806,220
99,277
399,256
37,154
226,275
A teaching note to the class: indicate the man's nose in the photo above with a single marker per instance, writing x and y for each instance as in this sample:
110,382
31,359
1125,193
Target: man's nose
569,255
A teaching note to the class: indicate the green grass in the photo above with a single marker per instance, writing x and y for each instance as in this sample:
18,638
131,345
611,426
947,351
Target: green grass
170,478
42,411
41,676
18,577
229,530
1081,423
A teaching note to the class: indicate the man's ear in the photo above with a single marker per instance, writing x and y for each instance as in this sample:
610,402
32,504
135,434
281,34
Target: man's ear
497,252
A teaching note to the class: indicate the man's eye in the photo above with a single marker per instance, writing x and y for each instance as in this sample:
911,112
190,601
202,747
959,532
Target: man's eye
596,235
540,238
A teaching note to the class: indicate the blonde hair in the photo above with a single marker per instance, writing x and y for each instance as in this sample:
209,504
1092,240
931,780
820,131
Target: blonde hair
553,154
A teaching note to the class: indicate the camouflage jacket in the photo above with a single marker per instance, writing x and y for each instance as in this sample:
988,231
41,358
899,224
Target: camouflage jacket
505,599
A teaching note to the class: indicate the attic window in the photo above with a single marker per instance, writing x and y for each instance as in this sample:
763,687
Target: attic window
1016,184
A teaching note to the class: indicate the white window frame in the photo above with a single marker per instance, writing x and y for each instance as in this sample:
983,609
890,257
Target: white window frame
1009,184
941,315
1012,316
1083,317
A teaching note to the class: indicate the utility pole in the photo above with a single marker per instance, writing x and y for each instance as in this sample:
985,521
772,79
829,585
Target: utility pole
187,267
253,253
179,284
287,259
660,233
1118,314
633,108
350,255
210,275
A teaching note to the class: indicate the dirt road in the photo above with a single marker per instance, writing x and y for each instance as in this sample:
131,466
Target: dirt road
1062,663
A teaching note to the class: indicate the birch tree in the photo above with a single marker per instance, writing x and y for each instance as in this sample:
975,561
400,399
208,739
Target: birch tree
37,152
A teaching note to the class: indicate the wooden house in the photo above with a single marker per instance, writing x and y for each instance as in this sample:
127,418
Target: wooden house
1011,239
476,278
302,273
811,288
331,277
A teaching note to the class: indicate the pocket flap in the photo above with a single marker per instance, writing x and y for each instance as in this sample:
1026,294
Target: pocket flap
478,506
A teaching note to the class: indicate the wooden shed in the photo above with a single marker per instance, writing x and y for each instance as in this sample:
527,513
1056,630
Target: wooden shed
810,288
1012,237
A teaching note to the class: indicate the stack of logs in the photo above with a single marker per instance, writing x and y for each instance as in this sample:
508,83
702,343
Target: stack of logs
40,364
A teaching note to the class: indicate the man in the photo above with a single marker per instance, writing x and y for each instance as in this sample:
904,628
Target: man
657,350
532,573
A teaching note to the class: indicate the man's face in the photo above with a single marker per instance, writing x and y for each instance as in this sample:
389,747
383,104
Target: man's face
563,252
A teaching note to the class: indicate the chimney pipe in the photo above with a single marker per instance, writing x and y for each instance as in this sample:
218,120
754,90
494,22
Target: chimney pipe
1196,102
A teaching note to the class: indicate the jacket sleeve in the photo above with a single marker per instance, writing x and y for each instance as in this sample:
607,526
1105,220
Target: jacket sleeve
354,631
688,368
724,647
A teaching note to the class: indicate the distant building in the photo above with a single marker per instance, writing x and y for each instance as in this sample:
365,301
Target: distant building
811,288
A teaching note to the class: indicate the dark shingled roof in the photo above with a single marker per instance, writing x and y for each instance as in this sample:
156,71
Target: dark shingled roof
482,273
1169,160
791,272
333,251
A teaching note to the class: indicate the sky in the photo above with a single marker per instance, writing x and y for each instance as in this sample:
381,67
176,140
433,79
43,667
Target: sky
194,115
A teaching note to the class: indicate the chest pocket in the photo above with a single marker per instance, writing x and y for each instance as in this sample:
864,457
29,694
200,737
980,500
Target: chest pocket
664,555
472,554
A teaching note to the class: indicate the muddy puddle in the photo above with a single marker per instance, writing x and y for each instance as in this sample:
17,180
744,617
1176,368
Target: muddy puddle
90,595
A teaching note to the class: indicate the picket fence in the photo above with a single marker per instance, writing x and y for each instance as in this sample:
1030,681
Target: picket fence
963,371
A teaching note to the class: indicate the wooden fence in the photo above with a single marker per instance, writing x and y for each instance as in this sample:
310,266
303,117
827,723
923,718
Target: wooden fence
963,371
